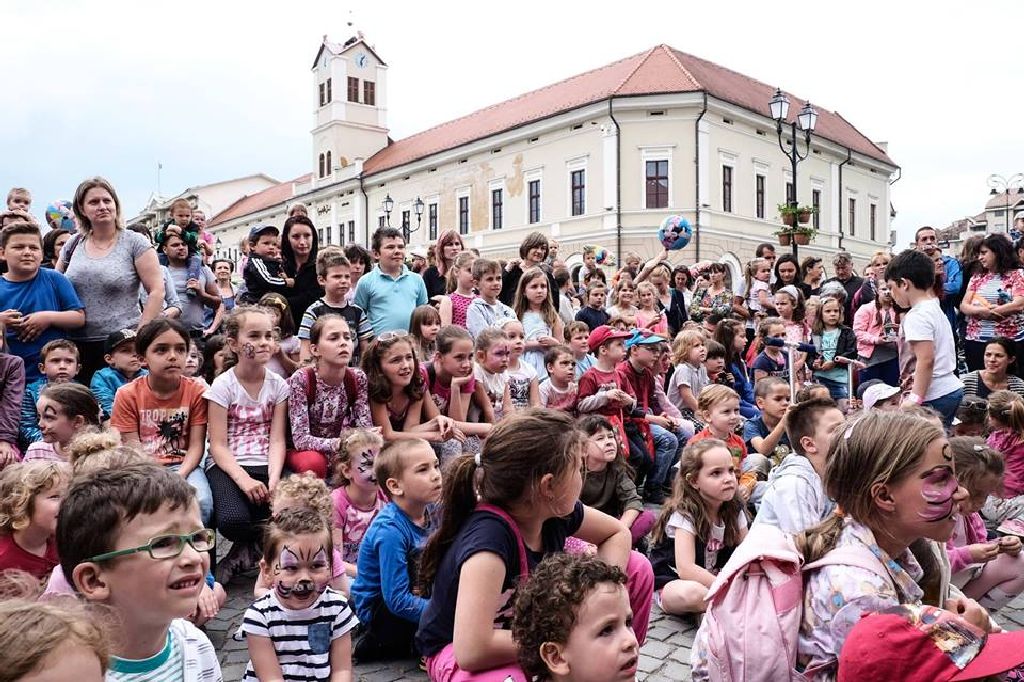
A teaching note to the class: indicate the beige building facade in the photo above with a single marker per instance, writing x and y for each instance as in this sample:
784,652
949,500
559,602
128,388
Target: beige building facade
601,158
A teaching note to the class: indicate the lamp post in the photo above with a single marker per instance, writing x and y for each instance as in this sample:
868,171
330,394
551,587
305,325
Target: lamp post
999,183
417,208
806,119
388,205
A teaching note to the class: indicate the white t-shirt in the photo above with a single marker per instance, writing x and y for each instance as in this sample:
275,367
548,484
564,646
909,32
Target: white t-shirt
926,322
494,385
713,544
248,418
753,302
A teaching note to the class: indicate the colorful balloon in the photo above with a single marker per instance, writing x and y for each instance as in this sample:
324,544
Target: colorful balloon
675,232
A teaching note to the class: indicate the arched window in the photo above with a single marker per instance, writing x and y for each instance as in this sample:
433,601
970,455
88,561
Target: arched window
321,165
329,166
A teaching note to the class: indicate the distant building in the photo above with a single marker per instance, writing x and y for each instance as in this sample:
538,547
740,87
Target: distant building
212,198
599,158
996,218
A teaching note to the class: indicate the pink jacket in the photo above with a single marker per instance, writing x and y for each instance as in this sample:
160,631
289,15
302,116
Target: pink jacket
974,532
1012,447
869,332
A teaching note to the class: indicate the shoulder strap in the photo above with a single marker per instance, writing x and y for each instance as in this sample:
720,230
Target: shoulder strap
310,387
75,241
351,389
524,566
848,555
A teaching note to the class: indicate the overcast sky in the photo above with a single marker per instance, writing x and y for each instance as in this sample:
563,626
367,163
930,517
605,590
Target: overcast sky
215,90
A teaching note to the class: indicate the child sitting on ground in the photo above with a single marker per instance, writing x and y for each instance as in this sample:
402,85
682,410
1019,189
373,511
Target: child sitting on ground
771,361
356,497
30,495
766,434
972,416
699,527
990,571
52,641
558,391
123,365
609,486
1006,420
523,378
389,608
150,513
794,497
567,598
486,309
576,335
719,407
64,411
491,372
689,353
58,363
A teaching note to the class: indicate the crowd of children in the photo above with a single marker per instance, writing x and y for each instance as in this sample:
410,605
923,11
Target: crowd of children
501,489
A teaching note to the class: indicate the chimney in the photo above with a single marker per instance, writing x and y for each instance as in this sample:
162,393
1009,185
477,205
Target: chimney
883,145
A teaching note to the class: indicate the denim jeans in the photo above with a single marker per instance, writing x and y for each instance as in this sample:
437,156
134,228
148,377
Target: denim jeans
947,405
838,390
197,479
666,452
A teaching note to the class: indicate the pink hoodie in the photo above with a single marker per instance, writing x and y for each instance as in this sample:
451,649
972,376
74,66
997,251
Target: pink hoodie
868,331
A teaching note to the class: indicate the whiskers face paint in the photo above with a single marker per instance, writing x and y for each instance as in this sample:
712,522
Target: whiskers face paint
292,564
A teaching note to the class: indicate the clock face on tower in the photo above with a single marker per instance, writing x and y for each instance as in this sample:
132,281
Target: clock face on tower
361,60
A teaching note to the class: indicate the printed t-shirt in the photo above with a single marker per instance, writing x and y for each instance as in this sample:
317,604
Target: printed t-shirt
163,425
249,418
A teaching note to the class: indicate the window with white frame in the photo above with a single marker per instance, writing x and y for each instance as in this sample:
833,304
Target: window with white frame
462,204
759,189
726,188
577,187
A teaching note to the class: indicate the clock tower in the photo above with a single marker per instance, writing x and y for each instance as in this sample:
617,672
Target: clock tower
350,117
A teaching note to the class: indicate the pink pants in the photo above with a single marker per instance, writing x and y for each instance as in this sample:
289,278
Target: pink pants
642,525
442,666
299,461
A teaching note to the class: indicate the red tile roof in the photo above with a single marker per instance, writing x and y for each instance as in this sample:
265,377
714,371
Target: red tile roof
252,203
1011,197
661,69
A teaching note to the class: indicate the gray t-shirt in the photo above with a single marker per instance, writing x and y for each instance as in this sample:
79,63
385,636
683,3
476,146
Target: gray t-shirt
108,286
192,307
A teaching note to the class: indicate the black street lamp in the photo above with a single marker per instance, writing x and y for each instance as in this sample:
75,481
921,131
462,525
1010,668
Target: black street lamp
417,207
997,182
807,118
388,206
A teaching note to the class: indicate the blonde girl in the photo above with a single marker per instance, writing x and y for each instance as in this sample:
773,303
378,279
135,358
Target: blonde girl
523,382
502,512
1006,423
541,323
247,411
833,340
990,571
56,640
757,299
790,307
356,498
399,403
30,496
284,357
699,527
491,353
718,407
648,315
424,323
454,305
690,376
64,411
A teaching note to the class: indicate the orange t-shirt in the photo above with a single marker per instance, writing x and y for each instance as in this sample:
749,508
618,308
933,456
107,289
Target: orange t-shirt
738,449
163,425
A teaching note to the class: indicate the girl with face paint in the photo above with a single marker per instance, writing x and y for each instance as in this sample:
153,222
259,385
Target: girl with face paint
356,496
300,629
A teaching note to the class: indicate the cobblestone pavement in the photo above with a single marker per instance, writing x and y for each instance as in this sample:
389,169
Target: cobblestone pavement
665,656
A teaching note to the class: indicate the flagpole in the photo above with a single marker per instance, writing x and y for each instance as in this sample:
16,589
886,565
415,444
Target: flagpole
159,167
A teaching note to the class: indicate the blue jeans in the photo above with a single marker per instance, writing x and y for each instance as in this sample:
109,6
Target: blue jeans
836,389
888,371
666,452
947,405
197,479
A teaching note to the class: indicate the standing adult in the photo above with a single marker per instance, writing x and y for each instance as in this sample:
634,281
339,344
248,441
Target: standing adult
682,281
866,293
812,273
843,264
299,247
787,273
193,308
767,252
925,239
715,298
106,265
435,277
670,300
533,252
994,301
1000,359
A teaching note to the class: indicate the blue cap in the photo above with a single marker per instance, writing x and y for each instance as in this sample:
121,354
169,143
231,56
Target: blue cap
643,337
260,230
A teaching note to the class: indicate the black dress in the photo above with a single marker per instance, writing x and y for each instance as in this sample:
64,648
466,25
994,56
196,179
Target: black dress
435,281
306,290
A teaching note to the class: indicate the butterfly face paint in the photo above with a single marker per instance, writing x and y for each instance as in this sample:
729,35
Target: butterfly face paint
938,486
363,467
298,572
249,350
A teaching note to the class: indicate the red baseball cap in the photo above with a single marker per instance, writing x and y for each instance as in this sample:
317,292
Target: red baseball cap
917,643
604,334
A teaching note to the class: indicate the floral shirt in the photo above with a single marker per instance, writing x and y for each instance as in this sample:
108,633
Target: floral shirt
720,304
990,290
835,598
318,422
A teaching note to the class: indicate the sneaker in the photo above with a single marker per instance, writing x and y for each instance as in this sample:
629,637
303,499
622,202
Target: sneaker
239,559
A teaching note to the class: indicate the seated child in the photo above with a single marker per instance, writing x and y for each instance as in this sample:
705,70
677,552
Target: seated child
566,599
123,365
64,411
53,640
356,498
389,609
812,392
689,354
881,397
300,629
794,497
971,417
58,363
771,361
30,495
990,571
608,485
558,390
151,514
766,434
714,362
719,407
486,309
576,335
491,372
702,523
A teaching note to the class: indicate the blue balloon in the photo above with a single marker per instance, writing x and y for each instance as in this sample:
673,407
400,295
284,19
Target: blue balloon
675,232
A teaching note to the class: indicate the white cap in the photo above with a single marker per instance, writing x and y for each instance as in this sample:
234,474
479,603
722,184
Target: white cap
419,252
878,392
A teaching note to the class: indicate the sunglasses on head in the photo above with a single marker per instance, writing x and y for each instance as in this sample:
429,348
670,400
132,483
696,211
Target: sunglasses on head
393,335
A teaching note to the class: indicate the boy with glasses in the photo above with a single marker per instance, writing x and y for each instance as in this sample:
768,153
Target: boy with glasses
131,539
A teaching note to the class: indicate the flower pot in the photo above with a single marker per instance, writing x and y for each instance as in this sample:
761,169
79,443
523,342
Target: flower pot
785,238
804,217
789,219
801,238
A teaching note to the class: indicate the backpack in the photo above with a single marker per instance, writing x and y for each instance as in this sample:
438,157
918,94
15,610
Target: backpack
351,390
755,607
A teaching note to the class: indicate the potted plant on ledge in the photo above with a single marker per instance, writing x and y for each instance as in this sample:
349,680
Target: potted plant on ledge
804,213
788,214
803,235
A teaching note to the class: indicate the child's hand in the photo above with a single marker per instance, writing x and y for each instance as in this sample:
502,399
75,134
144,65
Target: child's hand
446,425
547,341
983,552
7,455
254,490
461,381
1010,544
31,326
207,607
744,493
289,282
172,230
10,317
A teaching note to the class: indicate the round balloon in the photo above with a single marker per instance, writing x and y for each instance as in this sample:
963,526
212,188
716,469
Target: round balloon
675,232
59,215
